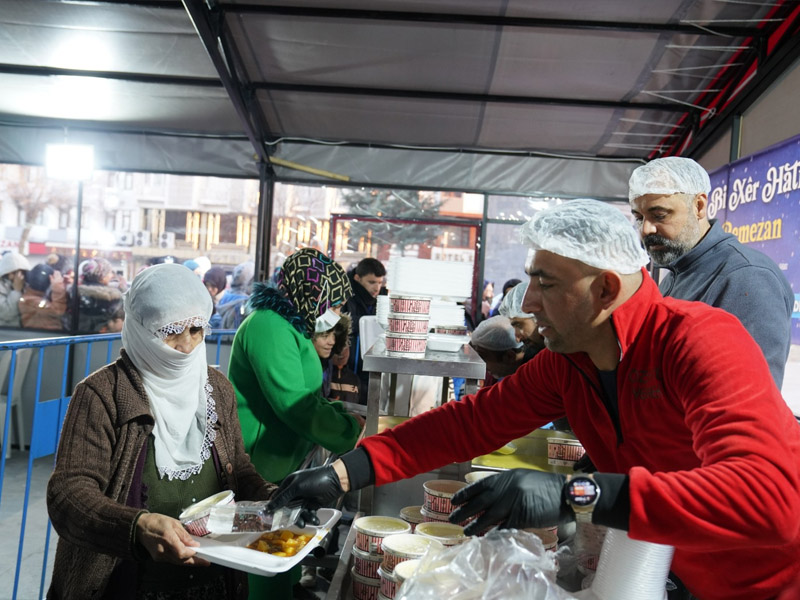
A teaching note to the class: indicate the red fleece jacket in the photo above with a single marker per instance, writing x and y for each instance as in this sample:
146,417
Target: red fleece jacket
711,448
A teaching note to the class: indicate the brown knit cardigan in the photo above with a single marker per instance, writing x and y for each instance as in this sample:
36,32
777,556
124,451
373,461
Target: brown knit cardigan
105,429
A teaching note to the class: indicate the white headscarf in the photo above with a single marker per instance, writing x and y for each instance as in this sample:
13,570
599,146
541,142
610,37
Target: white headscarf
165,299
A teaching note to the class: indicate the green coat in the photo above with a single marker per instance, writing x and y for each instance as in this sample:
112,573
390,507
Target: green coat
277,376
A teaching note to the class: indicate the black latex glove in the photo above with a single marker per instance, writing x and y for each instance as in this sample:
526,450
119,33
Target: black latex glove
517,498
585,465
307,516
311,488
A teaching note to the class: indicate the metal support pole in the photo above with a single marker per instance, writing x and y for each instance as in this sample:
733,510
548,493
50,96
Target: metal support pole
478,302
266,193
75,301
736,138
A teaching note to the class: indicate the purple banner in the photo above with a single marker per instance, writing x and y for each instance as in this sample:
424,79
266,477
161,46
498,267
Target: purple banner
757,199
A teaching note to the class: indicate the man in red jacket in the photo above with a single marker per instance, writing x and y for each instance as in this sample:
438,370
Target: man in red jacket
673,400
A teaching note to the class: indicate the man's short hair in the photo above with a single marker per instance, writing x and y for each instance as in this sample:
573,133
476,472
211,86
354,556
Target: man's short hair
370,266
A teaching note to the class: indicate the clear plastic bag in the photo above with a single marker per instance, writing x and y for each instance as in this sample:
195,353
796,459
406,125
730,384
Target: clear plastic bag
249,517
501,565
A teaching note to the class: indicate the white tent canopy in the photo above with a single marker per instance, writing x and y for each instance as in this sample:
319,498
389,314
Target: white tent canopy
502,96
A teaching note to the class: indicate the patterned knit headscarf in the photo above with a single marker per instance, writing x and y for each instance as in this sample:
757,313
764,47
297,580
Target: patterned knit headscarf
313,283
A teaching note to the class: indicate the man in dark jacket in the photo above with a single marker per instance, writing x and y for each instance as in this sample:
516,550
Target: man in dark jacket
669,200
367,280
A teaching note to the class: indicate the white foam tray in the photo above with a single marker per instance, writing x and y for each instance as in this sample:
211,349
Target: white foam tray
231,550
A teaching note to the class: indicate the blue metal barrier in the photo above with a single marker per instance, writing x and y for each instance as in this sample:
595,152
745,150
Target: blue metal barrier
48,413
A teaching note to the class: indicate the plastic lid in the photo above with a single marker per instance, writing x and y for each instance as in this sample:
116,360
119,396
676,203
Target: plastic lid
412,514
405,569
381,526
443,531
408,544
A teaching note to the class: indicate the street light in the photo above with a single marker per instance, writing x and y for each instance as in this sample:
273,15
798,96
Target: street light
72,162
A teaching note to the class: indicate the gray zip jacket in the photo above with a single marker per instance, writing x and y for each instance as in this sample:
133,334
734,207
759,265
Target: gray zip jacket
722,272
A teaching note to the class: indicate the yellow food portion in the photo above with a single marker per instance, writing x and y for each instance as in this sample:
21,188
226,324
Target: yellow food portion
280,543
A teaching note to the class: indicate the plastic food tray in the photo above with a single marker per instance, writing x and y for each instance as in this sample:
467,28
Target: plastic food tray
445,342
231,550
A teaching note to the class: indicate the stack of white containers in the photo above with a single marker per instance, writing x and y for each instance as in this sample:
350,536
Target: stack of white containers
438,278
445,282
368,552
397,549
630,570
408,320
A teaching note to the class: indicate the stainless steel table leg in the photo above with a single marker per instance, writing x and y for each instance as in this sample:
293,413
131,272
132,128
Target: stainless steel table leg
373,403
371,428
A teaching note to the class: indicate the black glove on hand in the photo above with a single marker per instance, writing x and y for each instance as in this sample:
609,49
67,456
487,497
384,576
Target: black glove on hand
584,464
311,488
517,498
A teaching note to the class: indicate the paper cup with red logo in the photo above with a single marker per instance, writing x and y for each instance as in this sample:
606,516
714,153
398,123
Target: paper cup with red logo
388,584
411,515
370,531
439,494
365,563
414,305
405,546
365,588
402,323
406,344
563,452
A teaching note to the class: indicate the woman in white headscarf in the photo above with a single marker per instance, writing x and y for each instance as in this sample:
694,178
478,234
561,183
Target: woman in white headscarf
143,438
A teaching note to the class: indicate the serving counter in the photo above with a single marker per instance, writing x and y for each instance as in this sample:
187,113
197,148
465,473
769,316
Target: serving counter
465,363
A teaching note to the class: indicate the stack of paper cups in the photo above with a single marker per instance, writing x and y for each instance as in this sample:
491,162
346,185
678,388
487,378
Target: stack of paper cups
382,311
630,569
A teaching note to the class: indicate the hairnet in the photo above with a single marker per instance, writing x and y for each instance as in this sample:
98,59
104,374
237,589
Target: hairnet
511,306
495,333
667,176
592,232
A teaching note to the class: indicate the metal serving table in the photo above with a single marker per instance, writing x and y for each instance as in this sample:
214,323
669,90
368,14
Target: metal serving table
465,363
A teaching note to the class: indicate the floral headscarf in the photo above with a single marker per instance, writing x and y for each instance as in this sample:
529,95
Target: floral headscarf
95,270
313,283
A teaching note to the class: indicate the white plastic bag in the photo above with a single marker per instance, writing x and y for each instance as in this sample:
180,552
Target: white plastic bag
502,565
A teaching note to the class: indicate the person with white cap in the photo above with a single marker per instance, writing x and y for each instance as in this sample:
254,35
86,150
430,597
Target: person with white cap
523,323
694,446
496,343
13,267
669,200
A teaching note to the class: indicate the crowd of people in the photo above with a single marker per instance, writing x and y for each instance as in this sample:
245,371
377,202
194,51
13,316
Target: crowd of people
47,295
676,402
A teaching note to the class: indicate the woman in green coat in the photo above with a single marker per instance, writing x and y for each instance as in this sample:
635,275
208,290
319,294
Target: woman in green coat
277,375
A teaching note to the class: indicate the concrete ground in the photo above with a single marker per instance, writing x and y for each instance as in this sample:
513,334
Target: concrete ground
11,507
